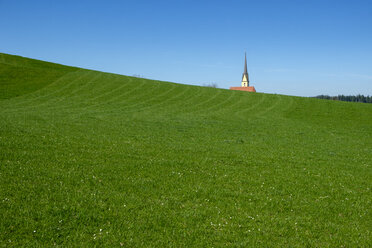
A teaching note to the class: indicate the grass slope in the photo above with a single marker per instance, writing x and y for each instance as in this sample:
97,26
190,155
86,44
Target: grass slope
98,159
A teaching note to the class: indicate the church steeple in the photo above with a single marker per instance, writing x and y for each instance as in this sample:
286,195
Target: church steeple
245,78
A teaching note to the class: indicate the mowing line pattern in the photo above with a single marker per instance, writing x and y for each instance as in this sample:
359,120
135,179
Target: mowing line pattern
94,159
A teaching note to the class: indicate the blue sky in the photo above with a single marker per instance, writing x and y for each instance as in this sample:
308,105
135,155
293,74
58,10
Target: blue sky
302,48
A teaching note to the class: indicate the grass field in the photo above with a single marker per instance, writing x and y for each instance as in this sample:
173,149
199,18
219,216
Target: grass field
91,159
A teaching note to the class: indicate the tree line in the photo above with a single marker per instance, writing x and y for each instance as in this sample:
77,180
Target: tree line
357,98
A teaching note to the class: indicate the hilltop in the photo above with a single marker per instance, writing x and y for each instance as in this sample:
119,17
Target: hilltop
97,159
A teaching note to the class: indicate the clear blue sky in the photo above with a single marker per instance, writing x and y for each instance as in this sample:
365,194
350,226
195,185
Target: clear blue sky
302,48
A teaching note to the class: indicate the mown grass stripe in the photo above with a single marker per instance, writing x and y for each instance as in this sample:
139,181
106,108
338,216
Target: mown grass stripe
36,95
41,100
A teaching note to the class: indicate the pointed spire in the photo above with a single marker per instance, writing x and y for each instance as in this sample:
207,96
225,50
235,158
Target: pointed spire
245,65
245,78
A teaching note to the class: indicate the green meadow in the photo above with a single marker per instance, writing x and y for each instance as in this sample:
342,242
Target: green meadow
93,159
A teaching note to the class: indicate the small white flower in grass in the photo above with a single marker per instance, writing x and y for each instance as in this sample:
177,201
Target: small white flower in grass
100,230
34,231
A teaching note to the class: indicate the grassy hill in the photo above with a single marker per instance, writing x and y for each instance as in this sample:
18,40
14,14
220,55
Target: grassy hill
96,159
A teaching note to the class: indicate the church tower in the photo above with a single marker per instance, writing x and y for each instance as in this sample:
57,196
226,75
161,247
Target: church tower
245,78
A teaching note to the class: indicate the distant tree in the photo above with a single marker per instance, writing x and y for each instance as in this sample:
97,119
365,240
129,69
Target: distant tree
357,98
212,85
